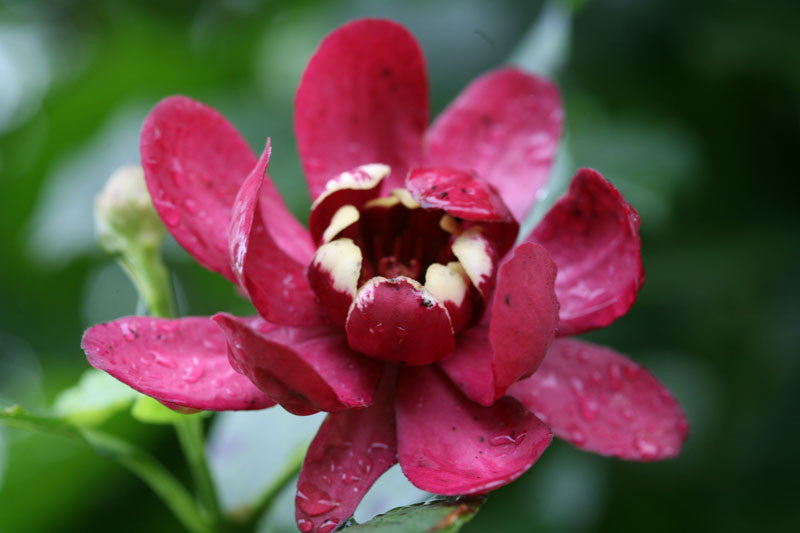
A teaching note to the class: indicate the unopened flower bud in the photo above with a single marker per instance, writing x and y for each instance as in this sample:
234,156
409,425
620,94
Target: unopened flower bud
124,214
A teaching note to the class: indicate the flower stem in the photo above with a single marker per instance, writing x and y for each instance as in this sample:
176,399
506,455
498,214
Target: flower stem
151,278
190,434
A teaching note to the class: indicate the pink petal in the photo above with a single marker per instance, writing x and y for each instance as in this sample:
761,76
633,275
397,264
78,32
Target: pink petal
362,99
524,315
603,402
397,320
505,126
593,235
350,451
449,445
460,194
194,163
181,362
303,369
269,255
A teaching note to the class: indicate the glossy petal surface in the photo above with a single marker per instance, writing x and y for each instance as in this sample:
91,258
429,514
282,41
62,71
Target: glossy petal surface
194,162
181,362
350,451
450,445
303,369
362,99
603,402
505,126
592,233
260,239
524,315
397,320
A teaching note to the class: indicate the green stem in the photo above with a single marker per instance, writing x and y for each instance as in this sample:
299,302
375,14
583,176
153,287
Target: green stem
151,278
190,435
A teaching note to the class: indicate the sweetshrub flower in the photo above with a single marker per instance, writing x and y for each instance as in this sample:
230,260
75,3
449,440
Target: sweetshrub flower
405,310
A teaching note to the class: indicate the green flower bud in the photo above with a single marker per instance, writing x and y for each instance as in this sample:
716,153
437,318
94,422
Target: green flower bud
124,214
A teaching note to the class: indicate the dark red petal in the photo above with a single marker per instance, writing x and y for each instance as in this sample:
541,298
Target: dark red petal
593,236
194,163
505,126
362,99
181,362
460,194
354,187
269,254
303,369
524,315
603,402
351,450
397,320
334,275
450,445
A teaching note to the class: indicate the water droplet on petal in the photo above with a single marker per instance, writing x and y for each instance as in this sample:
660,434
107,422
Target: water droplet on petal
190,206
170,216
305,525
161,360
588,408
191,374
314,501
615,376
577,437
627,413
328,525
648,449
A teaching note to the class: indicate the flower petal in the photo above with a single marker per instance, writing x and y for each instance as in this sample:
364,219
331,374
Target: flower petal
352,188
303,369
593,235
349,453
181,362
397,320
450,445
522,325
194,162
334,275
505,126
269,254
460,194
603,402
363,99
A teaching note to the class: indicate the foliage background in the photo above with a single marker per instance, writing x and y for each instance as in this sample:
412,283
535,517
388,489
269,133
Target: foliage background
691,108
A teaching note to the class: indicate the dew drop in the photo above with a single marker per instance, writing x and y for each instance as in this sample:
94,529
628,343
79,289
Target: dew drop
161,360
627,413
588,408
128,333
190,205
615,376
170,216
314,501
305,525
191,374
328,525
648,449
577,437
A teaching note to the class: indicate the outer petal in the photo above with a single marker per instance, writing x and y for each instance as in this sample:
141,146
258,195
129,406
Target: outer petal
194,163
268,257
397,320
362,99
305,370
505,125
524,315
593,235
182,362
351,450
603,402
449,445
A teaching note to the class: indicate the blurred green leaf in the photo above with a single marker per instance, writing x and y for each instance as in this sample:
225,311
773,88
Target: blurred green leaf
96,397
149,470
440,516
151,411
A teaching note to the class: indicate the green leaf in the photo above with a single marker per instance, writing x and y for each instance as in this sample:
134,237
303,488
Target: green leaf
96,397
149,470
438,516
151,411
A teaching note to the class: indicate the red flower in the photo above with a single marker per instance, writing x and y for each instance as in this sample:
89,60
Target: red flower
404,310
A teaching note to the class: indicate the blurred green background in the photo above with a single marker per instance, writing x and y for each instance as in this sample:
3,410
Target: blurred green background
691,108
